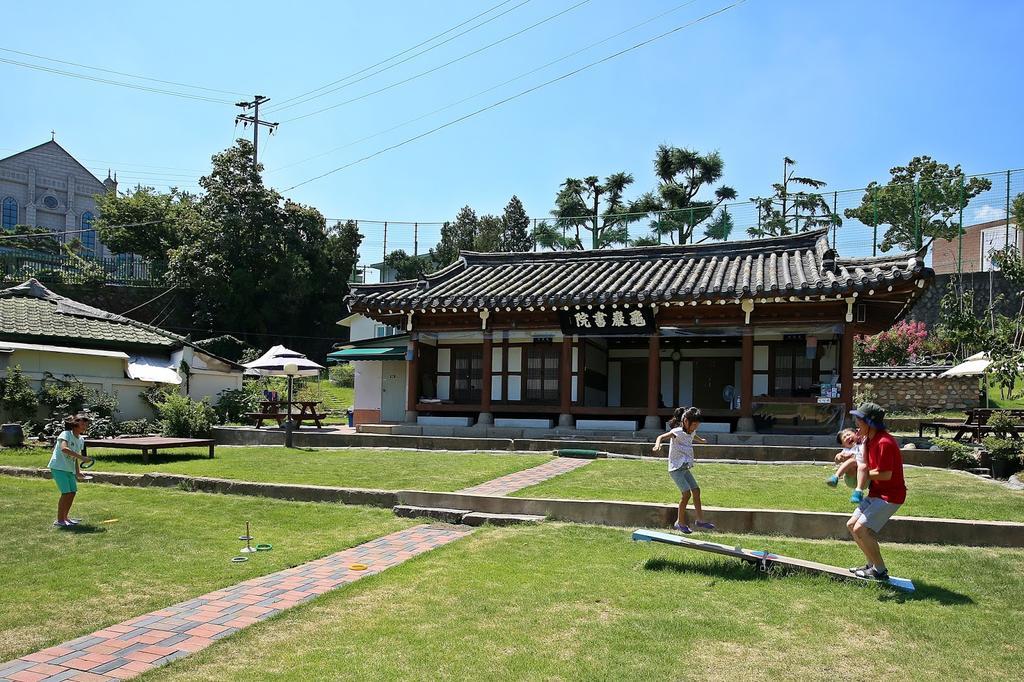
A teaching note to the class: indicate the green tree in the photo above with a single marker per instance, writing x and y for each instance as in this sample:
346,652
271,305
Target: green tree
458,235
588,205
17,398
922,200
515,234
790,212
143,221
406,266
31,238
682,175
488,234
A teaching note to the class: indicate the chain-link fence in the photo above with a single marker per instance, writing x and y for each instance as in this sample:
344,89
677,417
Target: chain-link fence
957,222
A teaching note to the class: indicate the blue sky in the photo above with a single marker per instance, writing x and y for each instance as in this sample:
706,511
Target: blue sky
846,88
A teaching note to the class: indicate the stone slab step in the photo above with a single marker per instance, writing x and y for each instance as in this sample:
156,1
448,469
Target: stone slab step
981,471
480,518
439,513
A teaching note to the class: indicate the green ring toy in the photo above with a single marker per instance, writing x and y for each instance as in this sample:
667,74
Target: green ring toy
265,547
239,559
87,463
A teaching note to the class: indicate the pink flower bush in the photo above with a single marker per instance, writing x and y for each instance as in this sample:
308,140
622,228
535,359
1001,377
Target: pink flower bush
900,345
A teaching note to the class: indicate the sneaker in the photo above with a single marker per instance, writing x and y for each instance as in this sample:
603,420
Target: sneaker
873,574
705,525
832,481
685,530
61,524
865,567
857,496
74,522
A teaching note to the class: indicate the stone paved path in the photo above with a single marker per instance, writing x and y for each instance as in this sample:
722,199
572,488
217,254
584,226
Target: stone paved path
522,479
151,640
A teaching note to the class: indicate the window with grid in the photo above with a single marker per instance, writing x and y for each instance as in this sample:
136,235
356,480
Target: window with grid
10,212
793,370
467,374
542,374
88,236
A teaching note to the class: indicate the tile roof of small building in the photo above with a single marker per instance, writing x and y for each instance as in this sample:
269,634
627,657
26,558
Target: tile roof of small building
802,264
899,372
31,311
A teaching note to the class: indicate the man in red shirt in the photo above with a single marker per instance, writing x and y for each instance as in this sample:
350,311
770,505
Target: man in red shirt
886,493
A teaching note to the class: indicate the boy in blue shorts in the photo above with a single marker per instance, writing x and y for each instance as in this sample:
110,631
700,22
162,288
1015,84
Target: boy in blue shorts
67,455
683,427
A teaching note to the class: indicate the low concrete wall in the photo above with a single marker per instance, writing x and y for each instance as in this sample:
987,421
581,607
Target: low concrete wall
800,524
751,452
926,394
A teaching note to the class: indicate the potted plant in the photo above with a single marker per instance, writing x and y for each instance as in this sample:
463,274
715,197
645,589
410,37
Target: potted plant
19,404
1005,454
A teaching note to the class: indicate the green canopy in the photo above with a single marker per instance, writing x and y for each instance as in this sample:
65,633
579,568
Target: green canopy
366,354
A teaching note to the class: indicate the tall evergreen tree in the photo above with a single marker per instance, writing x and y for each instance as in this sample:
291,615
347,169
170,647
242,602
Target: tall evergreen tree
589,205
788,211
682,174
515,234
458,235
488,234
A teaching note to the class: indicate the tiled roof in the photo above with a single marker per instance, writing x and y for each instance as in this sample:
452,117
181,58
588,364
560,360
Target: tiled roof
904,372
802,264
31,311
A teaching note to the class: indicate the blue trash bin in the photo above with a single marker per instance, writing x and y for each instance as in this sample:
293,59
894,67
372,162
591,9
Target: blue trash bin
350,417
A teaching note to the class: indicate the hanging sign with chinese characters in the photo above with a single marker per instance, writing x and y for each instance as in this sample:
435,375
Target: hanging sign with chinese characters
608,322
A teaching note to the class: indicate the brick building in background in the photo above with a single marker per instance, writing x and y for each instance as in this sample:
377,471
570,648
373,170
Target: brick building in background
45,186
979,242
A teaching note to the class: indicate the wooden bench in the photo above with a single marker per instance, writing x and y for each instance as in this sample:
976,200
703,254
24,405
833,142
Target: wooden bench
148,444
975,424
272,410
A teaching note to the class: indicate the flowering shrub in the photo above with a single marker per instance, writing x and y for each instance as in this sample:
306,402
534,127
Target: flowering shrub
900,345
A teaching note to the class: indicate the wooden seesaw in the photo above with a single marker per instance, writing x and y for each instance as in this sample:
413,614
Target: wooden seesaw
764,560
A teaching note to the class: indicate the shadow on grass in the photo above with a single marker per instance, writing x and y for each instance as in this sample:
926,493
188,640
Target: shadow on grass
927,592
130,457
728,571
83,529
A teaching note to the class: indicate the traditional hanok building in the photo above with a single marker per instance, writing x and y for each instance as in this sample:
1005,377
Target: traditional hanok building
758,334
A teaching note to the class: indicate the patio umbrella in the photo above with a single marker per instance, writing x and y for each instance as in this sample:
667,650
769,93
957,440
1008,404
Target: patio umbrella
274,363
974,365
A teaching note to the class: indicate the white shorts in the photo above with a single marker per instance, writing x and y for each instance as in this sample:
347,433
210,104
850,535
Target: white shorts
875,511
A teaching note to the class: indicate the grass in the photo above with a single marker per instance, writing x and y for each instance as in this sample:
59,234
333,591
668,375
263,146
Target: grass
931,492
559,602
384,469
165,546
996,401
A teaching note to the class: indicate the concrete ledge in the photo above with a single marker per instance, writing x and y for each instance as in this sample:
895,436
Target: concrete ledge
801,524
280,491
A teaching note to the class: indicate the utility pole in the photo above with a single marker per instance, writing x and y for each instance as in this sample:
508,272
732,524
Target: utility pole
246,119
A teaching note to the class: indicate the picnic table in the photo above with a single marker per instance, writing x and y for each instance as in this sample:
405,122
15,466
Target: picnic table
272,410
975,424
148,444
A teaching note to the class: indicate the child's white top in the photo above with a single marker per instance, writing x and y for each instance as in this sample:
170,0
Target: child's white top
857,452
680,449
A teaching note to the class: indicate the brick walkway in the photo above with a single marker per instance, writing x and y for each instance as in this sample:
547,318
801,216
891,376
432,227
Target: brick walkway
522,479
151,640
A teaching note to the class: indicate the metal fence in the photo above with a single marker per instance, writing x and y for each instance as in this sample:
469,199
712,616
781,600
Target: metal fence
975,225
18,265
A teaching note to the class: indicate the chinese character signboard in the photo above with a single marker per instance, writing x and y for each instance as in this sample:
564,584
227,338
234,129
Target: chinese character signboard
608,322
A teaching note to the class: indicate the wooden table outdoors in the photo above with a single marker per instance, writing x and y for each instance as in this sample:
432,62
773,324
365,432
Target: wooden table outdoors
975,424
148,444
279,410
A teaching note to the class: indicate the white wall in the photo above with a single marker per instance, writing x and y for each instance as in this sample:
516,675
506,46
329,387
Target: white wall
367,384
361,328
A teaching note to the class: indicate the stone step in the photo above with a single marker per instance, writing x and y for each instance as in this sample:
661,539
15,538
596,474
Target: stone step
441,514
480,518
984,472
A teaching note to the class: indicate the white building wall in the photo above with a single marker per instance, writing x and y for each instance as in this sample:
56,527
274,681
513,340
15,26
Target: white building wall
367,384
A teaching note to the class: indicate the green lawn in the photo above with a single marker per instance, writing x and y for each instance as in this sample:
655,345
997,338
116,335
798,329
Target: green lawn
165,546
557,602
385,469
931,492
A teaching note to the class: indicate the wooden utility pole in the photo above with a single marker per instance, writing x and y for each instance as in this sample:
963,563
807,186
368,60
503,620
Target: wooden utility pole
254,119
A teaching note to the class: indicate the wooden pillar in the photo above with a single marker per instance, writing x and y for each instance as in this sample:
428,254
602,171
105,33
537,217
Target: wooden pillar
565,383
746,421
412,382
653,381
846,370
486,370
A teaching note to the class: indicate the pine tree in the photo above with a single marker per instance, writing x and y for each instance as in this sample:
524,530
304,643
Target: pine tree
458,235
515,228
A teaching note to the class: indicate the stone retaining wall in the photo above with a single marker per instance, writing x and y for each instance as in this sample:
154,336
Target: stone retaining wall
921,394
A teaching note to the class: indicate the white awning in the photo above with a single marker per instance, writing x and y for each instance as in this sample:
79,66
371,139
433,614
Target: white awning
273,362
972,366
69,350
154,369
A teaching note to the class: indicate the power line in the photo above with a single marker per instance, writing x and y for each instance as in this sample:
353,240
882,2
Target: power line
439,67
522,93
281,106
141,305
133,86
51,235
118,73
484,92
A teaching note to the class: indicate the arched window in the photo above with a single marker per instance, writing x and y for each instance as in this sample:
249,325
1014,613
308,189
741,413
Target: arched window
88,235
10,213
